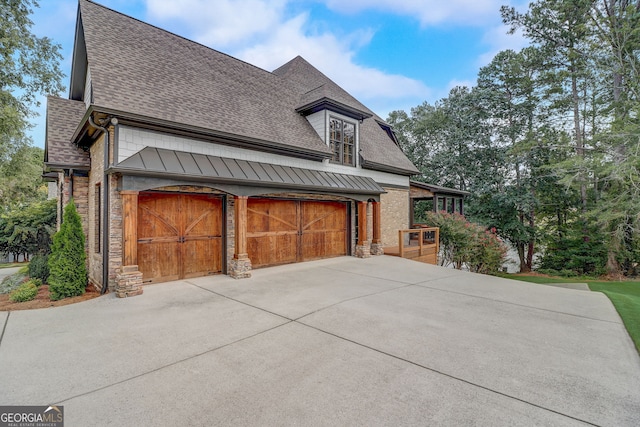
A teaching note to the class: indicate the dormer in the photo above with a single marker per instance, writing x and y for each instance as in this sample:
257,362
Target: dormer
336,123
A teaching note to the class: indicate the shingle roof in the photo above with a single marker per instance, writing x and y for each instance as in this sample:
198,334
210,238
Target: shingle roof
63,116
143,70
376,146
165,162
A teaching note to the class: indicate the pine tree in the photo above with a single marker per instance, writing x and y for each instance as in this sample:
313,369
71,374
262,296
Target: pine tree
67,269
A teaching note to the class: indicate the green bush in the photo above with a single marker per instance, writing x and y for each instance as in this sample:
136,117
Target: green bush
67,269
25,292
465,244
39,267
575,255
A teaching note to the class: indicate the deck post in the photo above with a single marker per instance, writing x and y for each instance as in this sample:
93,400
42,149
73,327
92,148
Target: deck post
362,248
240,265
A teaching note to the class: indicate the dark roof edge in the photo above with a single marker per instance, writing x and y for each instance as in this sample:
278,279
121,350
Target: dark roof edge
386,168
199,178
181,129
333,105
438,188
62,166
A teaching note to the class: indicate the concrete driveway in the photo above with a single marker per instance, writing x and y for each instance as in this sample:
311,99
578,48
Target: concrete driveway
344,341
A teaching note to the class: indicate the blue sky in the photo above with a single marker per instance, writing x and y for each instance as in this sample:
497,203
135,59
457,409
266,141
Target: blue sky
390,54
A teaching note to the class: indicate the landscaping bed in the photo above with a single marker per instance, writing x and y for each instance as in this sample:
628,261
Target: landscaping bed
43,300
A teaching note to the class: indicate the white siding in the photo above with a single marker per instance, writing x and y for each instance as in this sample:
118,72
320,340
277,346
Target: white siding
131,140
319,122
87,88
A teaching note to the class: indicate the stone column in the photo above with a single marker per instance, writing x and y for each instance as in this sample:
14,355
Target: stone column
362,246
128,278
240,266
376,243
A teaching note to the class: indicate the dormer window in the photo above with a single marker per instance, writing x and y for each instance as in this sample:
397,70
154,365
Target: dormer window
342,139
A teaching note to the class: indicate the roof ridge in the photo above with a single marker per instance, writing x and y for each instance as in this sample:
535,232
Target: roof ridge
174,34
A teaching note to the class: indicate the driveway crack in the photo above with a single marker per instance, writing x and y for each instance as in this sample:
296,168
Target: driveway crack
4,328
453,377
514,303
172,363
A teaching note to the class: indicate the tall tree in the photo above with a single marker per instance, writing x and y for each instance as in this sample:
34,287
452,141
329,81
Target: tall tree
558,28
29,68
21,178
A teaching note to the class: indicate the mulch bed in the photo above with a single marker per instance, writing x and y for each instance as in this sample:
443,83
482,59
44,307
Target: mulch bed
43,300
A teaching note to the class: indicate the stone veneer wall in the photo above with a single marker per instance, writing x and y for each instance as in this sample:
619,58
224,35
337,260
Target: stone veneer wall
115,230
96,176
394,214
81,200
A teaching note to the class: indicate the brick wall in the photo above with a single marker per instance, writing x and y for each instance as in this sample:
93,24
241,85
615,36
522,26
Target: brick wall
394,214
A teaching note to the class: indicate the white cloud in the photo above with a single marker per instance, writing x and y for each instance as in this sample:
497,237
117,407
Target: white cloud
259,32
334,57
428,12
498,39
221,23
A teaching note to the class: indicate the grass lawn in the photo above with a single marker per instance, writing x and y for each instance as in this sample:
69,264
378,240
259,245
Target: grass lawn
625,297
12,264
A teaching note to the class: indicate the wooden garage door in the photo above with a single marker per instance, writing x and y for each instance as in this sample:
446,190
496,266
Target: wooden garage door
179,236
286,231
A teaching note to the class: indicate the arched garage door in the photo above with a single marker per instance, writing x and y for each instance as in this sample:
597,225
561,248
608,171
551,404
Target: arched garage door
287,231
179,236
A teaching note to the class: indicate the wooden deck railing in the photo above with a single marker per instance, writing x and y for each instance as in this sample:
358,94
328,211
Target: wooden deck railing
421,244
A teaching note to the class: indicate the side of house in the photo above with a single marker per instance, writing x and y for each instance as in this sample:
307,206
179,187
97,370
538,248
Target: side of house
184,161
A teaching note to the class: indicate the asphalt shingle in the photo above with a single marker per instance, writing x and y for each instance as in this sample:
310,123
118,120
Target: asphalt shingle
63,116
142,70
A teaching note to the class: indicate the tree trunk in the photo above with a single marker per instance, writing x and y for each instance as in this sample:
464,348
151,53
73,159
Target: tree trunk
520,248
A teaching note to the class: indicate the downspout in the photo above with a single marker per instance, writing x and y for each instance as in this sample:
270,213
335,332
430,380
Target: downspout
70,184
105,208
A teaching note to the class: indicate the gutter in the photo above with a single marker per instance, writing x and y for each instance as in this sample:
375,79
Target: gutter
105,206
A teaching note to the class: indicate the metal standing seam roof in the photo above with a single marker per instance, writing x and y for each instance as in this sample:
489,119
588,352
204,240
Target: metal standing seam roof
163,162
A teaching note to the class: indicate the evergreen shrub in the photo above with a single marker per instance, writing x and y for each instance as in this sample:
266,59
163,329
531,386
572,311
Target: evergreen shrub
39,267
25,292
67,269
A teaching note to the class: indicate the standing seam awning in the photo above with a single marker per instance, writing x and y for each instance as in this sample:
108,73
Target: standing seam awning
152,161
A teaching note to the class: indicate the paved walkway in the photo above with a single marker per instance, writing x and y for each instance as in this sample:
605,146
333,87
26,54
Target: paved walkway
381,341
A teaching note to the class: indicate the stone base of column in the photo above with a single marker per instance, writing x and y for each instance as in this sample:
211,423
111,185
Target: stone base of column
377,249
363,251
240,268
128,281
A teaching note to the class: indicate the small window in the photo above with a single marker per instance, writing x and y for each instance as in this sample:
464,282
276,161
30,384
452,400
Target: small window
97,228
342,140
442,204
450,204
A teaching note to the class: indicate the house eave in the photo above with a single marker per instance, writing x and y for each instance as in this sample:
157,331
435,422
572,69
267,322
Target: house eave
332,105
195,132
387,168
